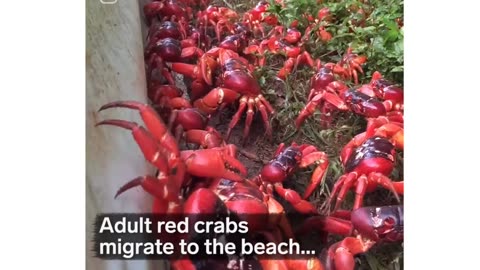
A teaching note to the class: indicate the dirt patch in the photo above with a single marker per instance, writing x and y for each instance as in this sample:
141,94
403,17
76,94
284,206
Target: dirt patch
256,150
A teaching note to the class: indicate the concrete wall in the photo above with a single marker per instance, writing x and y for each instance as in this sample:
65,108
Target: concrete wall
115,71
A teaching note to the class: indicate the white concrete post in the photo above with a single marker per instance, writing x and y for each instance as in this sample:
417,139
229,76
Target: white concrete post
115,71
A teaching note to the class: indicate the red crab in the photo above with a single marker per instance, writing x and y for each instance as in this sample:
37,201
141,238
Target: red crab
235,82
169,50
202,73
389,92
219,17
228,186
169,42
379,98
167,10
317,25
265,216
255,16
160,148
352,63
363,228
368,160
160,94
325,94
284,163
175,110
294,52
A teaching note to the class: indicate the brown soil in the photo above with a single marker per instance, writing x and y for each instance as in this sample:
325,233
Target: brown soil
256,150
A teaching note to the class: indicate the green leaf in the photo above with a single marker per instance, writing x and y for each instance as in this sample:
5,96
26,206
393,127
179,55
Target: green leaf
391,35
398,47
262,81
392,25
369,28
397,69
378,43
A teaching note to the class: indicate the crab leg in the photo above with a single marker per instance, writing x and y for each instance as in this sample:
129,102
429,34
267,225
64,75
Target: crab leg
295,200
321,159
249,119
152,121
236,117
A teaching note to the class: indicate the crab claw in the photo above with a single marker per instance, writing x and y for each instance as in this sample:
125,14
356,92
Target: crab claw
214,163
159,188
207,67
300,205
384,222
206,139
152,121
338,69
375,77
191,52
318,175
363,104
393,131
358,61
189,70
308,110
145,141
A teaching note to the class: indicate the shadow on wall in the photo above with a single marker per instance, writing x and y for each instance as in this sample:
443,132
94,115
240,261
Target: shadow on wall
114,71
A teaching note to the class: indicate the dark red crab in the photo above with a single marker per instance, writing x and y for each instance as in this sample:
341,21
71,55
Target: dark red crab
368,161
235,82
287,160
363,228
